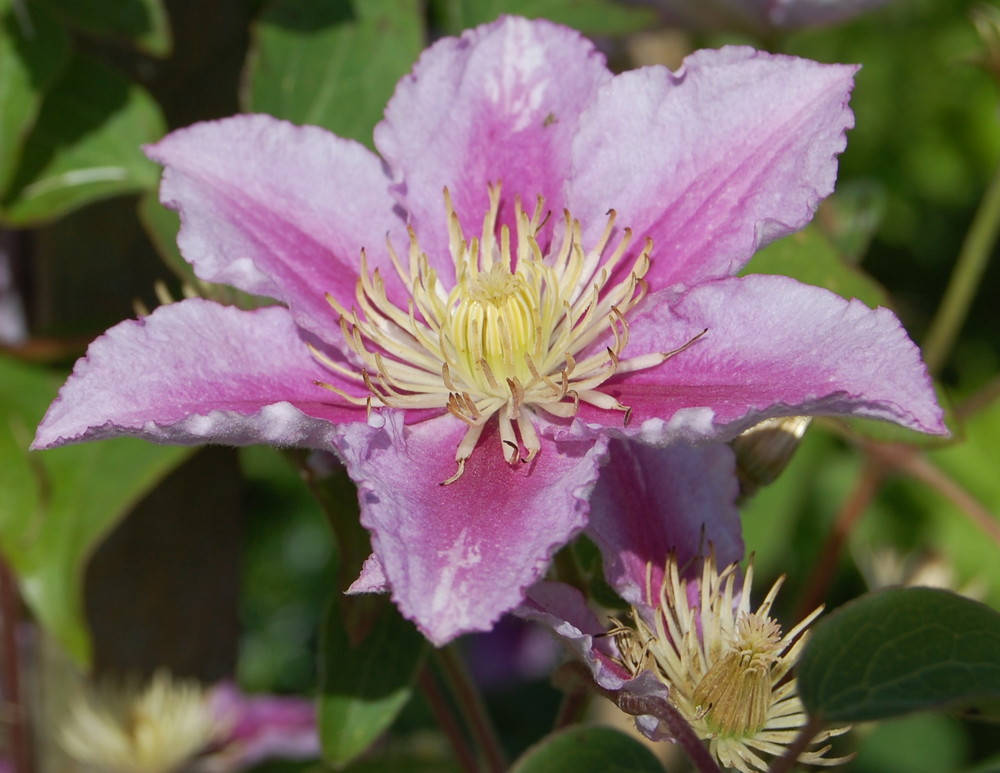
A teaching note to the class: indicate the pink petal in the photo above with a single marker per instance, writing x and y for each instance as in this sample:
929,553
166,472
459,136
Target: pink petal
499,104
650,502
774,347
278,210
734,150
372,578
564,609
194,372
459,556
261,727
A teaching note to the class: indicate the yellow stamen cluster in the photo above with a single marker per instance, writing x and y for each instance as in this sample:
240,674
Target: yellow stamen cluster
727,667
158,728
520,330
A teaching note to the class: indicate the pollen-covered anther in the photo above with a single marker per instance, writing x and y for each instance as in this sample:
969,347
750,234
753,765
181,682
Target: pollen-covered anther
522,332
735,693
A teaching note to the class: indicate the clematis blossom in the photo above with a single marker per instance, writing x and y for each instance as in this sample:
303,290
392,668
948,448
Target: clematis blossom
692,644
676,501
759,16
541,260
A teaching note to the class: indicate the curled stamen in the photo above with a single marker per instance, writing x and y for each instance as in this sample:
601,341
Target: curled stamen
458,473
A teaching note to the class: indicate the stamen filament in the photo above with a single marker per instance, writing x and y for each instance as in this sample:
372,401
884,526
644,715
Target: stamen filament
508,340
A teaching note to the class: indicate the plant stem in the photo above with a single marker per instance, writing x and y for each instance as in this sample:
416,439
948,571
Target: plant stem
852,510
909,460
19,732
966,277
979,401
470,702
337,496
571,710
446,721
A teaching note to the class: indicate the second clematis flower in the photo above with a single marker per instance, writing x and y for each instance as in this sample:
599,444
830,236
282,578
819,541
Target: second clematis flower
542,259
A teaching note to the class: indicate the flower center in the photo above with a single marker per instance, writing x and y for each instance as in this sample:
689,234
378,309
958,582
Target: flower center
520,332
494,326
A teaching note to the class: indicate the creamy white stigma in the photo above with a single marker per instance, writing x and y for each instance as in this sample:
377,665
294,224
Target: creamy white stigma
516,334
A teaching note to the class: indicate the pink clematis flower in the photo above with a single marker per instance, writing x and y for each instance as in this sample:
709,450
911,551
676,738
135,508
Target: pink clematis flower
759,16
467,355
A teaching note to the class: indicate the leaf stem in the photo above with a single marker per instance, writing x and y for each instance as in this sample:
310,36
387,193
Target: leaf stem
337,497
965,279
467,696
572,709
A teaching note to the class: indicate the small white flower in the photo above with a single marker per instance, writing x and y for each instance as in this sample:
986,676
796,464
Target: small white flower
728,669
156,728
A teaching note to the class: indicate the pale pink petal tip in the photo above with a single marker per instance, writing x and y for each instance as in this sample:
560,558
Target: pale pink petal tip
196,372
468,553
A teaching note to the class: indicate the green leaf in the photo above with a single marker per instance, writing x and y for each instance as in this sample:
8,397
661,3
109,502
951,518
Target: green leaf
333,64
588,749
919,743
809,257
850,218
592,17
364,685
902,650
34,49
85,145
141,23
416,762
59,504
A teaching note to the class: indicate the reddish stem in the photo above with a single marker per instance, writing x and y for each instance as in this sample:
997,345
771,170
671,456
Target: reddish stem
18,730
863,494
910,461
446,721
654,706
470,702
